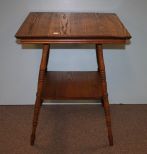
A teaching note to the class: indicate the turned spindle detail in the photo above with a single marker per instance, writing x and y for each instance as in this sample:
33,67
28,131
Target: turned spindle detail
38,103
105,101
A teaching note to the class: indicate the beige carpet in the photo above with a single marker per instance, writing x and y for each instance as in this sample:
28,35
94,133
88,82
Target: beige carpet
73,129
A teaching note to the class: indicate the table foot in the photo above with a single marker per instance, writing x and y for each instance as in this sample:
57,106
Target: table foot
35,119
108,120
32,139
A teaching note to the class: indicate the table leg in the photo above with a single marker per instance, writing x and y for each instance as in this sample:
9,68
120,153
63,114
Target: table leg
98,69
38,102
100,59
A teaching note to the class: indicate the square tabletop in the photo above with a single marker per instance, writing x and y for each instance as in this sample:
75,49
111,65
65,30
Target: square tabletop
67,25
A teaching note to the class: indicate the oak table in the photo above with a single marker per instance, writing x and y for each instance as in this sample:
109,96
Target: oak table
79,28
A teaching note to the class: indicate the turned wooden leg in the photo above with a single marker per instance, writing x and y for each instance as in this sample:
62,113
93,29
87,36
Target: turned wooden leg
105,100
99,72
38,102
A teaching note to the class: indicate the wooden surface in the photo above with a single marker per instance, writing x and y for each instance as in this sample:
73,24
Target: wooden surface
72,85
48,27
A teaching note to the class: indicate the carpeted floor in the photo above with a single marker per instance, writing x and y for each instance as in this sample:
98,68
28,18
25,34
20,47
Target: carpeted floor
71,129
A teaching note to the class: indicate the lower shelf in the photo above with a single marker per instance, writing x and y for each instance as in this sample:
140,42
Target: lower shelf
75,85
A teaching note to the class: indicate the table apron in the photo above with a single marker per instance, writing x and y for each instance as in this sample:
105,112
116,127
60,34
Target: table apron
72,41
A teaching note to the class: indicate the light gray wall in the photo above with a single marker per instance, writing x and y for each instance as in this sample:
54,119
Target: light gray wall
126,68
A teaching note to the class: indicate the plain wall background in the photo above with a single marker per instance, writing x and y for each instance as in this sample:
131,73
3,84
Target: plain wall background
126,68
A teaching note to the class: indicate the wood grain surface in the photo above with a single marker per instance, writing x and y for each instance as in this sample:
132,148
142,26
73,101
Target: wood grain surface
63,85
44,25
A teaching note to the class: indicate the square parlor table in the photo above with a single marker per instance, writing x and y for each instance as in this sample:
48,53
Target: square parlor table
48,28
